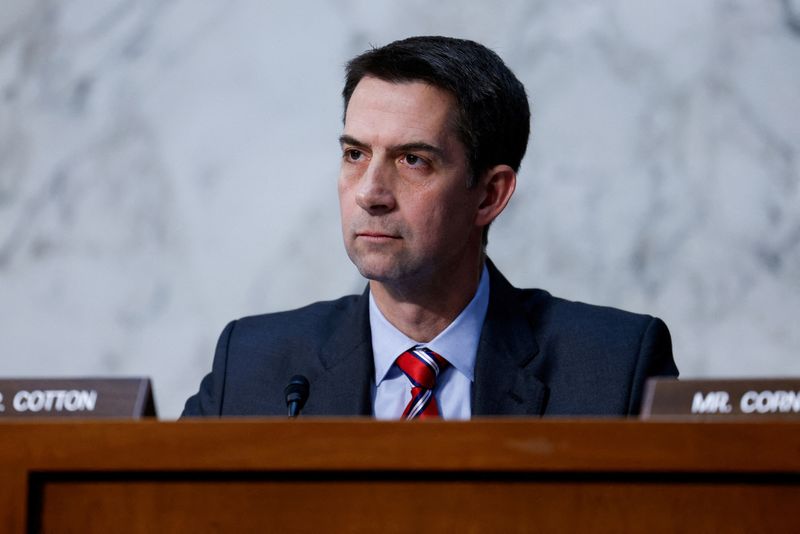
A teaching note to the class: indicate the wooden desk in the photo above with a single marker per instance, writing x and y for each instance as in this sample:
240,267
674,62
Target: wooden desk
366,476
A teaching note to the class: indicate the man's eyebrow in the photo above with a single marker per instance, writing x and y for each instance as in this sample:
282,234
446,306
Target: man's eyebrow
349,140
419,147
416,146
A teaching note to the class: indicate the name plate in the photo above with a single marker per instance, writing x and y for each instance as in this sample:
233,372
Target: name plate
76,397
718,399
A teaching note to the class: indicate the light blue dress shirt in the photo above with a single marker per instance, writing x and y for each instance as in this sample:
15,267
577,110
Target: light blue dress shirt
458,344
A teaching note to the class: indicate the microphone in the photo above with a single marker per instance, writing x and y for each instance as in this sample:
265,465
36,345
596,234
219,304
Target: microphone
296,394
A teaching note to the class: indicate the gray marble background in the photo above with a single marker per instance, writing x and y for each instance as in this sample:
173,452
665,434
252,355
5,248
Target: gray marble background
166,166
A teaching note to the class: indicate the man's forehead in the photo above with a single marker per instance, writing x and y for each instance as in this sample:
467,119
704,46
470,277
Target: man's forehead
408,109
407,93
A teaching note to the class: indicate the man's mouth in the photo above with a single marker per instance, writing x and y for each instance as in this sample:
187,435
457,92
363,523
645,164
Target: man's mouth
376,236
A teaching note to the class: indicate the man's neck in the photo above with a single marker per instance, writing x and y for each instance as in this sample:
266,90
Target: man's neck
424,308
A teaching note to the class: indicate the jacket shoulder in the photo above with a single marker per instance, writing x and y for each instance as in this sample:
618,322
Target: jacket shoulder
579,317
595,358
312,323
256,355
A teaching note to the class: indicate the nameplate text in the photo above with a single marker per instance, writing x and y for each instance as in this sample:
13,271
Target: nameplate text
739,398
76,397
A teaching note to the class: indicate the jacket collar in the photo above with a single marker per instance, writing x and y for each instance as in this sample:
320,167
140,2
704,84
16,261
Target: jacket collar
347,363
503,383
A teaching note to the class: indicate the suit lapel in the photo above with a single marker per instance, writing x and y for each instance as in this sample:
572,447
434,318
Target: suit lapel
503,383
345,378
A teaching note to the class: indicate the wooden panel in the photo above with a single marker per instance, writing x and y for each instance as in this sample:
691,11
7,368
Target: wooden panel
521,445
479,476
402,505
13,498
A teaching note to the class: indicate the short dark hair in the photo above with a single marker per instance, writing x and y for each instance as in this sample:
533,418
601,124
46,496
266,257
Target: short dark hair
493,116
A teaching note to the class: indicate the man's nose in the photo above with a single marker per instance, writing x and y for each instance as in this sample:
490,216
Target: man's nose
374,193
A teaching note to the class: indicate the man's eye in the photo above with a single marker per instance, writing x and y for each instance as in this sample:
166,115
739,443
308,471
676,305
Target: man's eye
413,160
352,154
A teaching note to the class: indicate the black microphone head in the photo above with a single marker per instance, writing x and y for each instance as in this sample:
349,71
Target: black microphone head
297,391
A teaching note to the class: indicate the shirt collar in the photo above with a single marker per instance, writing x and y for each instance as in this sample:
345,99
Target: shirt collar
458,343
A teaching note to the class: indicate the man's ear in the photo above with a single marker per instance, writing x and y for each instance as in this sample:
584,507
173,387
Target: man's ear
497,185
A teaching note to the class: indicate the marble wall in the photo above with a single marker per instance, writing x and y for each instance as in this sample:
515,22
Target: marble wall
166,166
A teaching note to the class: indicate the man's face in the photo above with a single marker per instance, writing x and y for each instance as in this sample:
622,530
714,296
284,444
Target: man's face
406,211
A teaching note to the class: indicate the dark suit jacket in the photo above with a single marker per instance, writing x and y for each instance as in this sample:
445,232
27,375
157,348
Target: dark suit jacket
537,355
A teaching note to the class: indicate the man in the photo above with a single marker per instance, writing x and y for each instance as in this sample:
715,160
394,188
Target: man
434,133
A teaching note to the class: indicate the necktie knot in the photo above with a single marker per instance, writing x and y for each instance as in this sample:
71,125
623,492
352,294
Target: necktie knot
422,366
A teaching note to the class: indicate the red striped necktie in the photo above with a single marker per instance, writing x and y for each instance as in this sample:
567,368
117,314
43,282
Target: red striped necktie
422,366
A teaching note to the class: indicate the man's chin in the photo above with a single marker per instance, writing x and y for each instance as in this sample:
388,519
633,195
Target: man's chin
377,275
380,271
